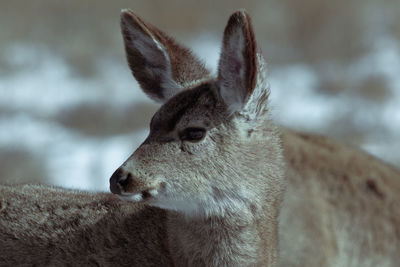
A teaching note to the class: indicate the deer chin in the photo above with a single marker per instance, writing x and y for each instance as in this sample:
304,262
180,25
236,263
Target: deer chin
188,207
142,196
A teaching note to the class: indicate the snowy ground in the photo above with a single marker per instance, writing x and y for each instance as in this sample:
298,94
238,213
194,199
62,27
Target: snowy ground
44,86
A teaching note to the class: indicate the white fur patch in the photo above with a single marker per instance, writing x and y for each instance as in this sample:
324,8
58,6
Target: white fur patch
255,105
209,205
188,207
153,192
137,197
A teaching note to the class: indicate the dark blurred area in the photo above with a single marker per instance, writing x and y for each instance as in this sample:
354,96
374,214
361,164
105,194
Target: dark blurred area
70,112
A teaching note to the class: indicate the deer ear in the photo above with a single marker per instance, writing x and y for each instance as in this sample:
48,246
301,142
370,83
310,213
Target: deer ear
237,70
160,65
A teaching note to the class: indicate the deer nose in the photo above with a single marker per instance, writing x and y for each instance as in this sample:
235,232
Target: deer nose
119,181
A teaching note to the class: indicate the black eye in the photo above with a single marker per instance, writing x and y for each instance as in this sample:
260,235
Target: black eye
192,134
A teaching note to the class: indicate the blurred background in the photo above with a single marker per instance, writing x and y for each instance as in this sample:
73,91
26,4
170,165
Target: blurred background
71,112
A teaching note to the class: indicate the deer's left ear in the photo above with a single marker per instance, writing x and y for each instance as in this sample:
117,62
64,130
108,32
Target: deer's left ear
237,70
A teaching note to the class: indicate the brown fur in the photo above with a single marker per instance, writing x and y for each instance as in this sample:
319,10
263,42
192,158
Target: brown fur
221,196
352,199
48,226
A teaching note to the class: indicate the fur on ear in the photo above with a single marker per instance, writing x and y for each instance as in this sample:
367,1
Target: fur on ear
160,65
241,68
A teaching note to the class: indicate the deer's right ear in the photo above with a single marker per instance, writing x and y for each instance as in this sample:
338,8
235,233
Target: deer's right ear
160,65
237,70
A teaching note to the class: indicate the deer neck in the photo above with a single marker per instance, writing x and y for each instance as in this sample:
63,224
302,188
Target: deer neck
234,239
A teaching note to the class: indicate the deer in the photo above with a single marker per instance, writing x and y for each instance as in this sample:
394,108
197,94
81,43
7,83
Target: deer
237,189
216,182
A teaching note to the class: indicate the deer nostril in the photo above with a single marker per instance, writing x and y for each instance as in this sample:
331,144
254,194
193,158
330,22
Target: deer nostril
114,187
119,181
124,182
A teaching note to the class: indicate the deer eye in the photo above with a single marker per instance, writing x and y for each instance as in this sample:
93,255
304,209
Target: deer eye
192,134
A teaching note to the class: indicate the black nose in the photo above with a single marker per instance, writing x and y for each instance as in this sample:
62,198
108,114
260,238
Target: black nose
119,181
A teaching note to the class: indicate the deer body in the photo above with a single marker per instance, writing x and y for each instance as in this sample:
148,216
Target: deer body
341,206
47,226
216,183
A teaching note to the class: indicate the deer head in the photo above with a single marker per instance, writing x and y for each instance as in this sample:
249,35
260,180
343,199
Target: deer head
211,146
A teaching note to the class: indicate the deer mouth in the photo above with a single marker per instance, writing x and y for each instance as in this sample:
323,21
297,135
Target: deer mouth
141,196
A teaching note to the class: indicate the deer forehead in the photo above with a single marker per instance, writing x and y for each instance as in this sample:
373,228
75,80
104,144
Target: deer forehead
199,106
